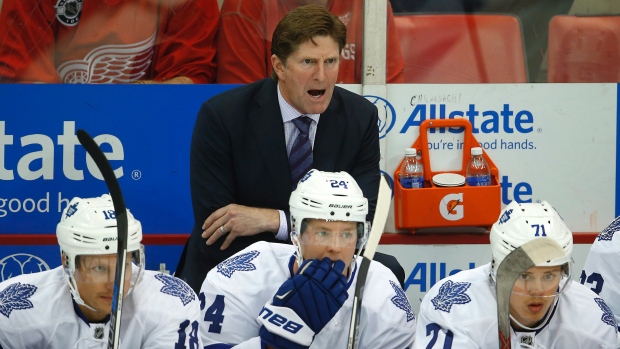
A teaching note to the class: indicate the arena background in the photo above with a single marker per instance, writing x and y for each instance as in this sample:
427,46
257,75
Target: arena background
554,142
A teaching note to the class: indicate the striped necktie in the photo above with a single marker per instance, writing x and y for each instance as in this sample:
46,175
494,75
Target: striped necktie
300,158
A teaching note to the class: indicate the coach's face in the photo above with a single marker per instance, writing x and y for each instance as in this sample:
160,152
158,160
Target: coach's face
94,276
308,75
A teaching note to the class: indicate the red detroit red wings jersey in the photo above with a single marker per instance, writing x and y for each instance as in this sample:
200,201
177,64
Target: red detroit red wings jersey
244,40
107,41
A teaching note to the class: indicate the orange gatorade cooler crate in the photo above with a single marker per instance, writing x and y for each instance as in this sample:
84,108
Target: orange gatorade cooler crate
446,207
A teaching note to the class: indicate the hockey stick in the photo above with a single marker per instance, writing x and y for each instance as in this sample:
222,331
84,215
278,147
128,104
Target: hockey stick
528,255
381,213
121,225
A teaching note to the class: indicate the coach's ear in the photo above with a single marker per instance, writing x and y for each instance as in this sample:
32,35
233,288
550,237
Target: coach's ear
278,66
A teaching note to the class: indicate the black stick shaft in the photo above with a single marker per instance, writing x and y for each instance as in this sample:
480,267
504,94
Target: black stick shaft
121,224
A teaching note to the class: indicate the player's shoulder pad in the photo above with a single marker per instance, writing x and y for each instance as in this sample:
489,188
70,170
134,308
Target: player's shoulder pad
254,261
241,262
582,300
16,296
383,289
156,286
453,293
27,291
609,238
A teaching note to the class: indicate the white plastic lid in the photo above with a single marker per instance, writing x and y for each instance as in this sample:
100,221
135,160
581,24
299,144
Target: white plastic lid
476,151
448,179
411,151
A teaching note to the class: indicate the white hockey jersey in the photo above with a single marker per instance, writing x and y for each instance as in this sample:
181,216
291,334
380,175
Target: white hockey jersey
234,293
37,311
460,311
601,272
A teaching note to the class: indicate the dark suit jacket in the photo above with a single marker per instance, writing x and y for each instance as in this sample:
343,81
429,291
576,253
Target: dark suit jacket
238,155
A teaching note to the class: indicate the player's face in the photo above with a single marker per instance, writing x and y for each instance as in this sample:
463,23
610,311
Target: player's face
308,76
94,276
533,294
335,240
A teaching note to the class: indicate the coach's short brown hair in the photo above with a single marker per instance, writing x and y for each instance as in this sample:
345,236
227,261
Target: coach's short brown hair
301,25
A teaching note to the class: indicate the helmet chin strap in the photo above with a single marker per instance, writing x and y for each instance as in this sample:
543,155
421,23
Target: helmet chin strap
297,244
74,291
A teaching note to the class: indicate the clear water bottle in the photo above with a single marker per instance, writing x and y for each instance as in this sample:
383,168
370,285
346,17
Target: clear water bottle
478,171
412,170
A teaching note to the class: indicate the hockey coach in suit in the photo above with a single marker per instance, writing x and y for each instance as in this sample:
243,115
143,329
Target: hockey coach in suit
248,149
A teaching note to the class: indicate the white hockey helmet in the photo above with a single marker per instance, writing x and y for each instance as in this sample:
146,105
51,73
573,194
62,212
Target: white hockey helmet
88,227
331,196
521,223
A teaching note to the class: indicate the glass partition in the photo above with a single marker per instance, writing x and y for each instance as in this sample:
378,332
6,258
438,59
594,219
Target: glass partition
228,41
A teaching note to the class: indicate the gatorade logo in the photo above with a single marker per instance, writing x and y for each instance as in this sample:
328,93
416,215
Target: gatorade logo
451,207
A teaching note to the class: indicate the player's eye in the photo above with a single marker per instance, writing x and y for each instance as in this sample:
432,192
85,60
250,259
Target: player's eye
99,268
322,233
526,277
548,276
346,235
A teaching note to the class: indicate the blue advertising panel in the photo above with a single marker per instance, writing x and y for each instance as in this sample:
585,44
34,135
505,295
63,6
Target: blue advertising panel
19,259
145,132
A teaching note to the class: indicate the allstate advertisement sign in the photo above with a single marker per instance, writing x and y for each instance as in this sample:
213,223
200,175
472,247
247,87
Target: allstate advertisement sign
554,142
145,132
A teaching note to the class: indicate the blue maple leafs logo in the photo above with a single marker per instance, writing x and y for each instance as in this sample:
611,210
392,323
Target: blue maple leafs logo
15,297
505,216
401,301
608,316
71,210
241,262
451,293
608,233
176,288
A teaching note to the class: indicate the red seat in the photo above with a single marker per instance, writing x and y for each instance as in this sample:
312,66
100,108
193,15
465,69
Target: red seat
461,48
584,49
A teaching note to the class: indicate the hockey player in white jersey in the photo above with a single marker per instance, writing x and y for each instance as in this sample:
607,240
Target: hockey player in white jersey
547,310
300,296
69,306
601,272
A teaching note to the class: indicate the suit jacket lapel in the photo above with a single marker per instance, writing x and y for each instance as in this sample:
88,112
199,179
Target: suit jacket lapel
329,135
266,123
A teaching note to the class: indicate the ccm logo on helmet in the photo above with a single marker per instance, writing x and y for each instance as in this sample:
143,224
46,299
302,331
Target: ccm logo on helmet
109,239
280,321
340,206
